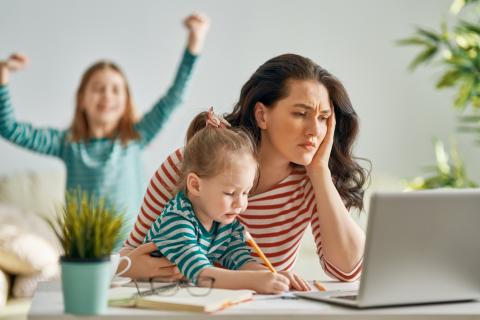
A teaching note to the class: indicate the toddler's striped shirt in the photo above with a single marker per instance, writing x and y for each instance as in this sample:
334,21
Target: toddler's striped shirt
182,239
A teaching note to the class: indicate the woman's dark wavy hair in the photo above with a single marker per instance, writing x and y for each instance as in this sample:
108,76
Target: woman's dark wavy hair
269,84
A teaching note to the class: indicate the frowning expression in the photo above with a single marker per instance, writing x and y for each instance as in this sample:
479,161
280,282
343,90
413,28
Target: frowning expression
295,126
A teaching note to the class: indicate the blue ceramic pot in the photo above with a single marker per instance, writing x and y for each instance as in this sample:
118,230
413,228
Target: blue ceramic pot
85,284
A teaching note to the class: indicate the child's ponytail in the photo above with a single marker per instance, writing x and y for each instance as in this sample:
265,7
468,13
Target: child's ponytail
211,144
203,120
197,124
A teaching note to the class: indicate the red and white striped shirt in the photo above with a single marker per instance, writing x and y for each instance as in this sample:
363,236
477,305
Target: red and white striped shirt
276,219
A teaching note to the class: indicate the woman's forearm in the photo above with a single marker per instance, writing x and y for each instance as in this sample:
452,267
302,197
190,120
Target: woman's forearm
342,239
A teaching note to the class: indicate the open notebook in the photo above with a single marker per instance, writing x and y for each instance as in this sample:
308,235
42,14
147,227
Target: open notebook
216,300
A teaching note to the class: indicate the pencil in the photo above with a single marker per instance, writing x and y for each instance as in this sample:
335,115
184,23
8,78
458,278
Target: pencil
319,285
257,249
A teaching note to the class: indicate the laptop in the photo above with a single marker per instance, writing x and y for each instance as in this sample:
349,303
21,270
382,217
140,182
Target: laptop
421,247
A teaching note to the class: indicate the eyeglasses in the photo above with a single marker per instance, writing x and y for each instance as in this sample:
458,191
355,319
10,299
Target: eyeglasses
159,286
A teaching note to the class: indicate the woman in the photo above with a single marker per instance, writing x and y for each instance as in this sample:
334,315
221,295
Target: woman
304,127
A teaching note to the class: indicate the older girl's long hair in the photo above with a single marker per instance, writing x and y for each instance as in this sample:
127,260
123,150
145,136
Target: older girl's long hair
269,84
80,129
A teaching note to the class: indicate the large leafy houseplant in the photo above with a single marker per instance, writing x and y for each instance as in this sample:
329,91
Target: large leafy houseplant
88,230
457,51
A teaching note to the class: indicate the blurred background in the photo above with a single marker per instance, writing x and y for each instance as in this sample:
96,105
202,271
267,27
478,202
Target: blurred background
400,111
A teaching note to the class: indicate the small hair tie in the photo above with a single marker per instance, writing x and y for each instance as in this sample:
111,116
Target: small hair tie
216,121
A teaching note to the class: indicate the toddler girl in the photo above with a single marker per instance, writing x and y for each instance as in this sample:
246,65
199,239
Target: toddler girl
198,228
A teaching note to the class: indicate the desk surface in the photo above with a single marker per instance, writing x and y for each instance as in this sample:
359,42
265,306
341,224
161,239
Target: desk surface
48,304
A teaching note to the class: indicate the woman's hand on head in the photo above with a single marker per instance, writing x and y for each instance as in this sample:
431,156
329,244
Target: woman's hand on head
296,282
144,266
197,25
15,62
322,156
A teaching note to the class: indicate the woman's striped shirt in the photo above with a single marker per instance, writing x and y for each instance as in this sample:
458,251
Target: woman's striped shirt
182,239
103,167
276,219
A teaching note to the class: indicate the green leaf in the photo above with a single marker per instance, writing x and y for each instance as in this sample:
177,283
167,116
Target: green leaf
475,100
423,57
464,92
470,119
442,157
468,26
432,35
444,30
457,6
414,41
448,79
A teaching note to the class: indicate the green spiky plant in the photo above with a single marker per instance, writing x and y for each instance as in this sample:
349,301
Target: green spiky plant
87,227
447,174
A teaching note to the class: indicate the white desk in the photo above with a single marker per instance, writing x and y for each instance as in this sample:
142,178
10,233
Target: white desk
48,304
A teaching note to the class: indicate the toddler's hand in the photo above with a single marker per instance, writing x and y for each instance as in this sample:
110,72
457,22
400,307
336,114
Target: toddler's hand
266,282
296,282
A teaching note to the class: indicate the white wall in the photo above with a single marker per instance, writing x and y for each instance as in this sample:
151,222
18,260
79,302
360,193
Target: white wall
399,111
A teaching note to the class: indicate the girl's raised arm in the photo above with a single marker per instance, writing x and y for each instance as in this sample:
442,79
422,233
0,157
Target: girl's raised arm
152,122
43,140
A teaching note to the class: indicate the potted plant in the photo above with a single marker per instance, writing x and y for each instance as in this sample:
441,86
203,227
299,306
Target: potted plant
88,230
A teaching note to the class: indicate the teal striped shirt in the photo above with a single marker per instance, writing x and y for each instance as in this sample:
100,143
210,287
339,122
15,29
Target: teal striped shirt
182,239
103,167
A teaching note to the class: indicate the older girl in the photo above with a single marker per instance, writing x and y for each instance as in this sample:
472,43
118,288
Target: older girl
102,147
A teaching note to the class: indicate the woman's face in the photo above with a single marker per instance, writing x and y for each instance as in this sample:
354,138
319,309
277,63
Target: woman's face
295,126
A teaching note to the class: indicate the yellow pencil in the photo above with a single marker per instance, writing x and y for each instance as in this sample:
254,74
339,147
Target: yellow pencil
319,285
257,249
262,256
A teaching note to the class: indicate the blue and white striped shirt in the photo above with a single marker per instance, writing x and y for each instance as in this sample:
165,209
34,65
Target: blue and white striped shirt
182,239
